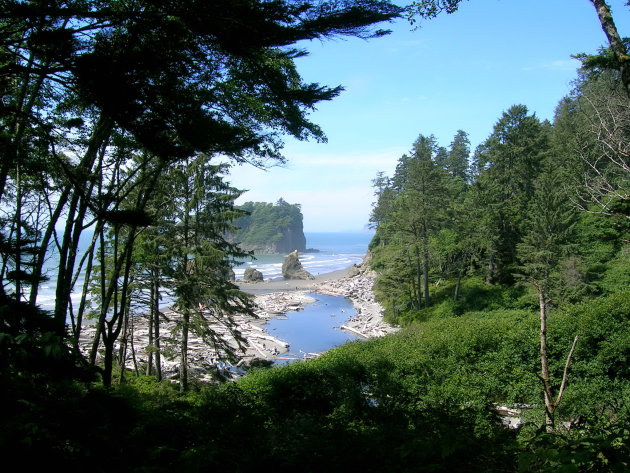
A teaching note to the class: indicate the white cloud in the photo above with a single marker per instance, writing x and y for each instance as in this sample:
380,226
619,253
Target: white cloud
334,188
332,199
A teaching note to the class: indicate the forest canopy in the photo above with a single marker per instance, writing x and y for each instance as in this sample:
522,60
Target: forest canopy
113,114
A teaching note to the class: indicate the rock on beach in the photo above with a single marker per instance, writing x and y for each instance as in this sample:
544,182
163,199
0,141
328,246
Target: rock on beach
292,268
355,284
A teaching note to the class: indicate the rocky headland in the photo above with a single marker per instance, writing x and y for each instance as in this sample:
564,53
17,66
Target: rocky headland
270,228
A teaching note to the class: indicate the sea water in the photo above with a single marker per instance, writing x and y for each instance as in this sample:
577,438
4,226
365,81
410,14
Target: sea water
312,330
46,290
335,251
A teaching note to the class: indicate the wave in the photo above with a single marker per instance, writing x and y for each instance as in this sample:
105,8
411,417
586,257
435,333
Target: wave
337,251
315,263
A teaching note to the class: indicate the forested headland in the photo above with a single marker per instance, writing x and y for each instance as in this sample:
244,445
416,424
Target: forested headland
507,267
270,228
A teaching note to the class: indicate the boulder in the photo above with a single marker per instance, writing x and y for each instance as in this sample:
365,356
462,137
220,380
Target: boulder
252,275
354,271
292,268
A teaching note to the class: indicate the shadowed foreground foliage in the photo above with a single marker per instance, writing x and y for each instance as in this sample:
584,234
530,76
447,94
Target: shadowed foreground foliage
421,400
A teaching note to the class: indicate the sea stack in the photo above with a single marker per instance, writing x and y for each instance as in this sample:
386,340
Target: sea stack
292,268
252,275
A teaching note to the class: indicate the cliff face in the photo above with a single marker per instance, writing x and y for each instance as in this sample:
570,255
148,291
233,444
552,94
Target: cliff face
292,239
271,228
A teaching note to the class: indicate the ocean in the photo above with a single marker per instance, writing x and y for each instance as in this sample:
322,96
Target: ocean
316,328
335,251
312,330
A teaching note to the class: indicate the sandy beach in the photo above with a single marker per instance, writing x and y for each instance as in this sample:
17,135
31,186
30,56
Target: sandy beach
272,298
291,285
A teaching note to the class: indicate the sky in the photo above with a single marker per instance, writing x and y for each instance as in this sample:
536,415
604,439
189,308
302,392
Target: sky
455,72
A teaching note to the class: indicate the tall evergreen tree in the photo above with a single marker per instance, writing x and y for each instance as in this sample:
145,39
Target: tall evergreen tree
549,223
417,211
384,195
172,79
458,156
201,257
510,160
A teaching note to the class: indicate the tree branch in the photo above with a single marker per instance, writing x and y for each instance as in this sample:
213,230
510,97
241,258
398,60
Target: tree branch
566,371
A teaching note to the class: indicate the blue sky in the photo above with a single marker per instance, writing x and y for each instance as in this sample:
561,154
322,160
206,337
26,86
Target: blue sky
458,71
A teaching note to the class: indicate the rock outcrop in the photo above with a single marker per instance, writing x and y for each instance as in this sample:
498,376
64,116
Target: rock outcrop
270,228
252,275
292,268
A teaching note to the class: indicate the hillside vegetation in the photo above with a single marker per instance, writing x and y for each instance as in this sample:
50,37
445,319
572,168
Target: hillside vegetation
270,228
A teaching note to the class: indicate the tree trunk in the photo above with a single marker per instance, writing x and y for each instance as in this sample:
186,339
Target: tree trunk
425,277
76,327
124,343
74,220
156,323
457,286
64,272
617,45
425,264
152,316
18,233
416,295
490,276
121,315
133,347
41,254
100,325
108,361
183,367
549,404
158,358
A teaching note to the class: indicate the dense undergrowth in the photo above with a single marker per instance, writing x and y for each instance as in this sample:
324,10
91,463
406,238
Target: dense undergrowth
424,399
421,400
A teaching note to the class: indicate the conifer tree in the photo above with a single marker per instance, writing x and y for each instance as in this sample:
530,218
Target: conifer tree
172,79
457,160
509,160
418,207
201,258
549,223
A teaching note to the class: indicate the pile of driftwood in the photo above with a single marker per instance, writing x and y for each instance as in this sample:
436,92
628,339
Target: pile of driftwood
357,287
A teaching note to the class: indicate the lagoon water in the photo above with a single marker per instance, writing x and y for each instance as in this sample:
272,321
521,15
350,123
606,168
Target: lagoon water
311,330
314,329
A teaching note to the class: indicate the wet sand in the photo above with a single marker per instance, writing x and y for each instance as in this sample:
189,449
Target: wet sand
292,284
